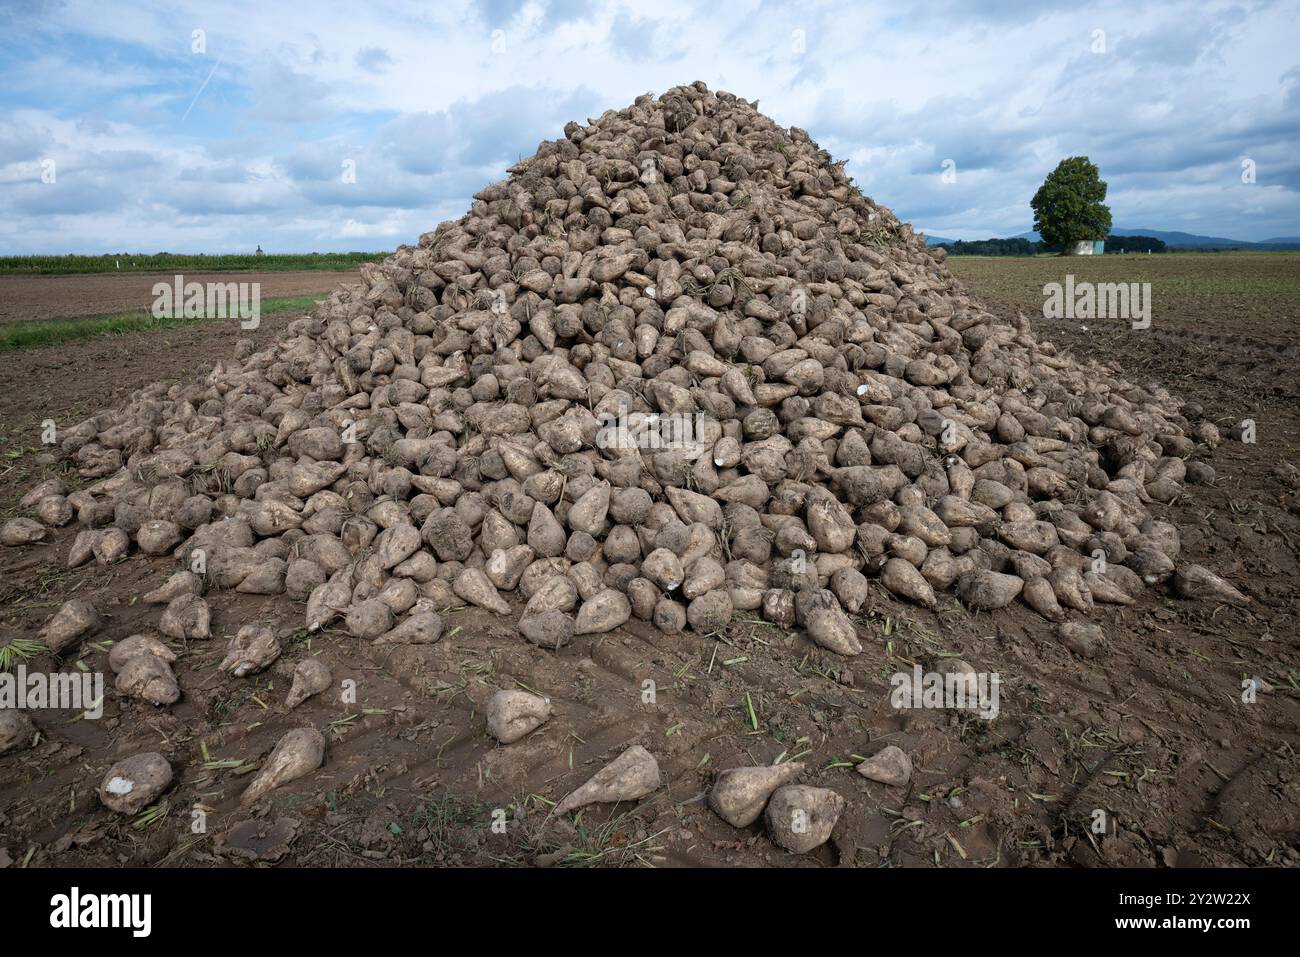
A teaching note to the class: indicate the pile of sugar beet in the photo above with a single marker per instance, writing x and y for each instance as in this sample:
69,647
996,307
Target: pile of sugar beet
674,368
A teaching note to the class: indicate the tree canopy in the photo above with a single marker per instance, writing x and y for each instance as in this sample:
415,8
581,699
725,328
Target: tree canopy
1134,244
1068,207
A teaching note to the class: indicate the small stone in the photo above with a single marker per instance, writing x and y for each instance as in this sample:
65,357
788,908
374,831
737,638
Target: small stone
890,765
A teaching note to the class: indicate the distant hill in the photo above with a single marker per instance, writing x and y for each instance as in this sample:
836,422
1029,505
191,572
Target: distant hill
1180,240
1171,238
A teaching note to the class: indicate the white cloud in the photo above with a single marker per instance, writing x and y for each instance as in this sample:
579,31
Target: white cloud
431,104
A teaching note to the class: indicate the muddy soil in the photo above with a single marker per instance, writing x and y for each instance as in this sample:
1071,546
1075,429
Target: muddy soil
1152,731
24,298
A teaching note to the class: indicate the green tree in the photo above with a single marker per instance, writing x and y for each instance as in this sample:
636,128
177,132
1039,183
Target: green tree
1068,207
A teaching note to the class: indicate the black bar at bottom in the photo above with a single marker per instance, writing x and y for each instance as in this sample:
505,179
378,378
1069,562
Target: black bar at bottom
339,907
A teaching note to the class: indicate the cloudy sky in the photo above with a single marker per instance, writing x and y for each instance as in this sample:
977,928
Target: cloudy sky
214,127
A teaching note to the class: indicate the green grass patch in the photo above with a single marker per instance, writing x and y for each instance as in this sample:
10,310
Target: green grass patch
443,817
50,332
19,650
607,844
172,262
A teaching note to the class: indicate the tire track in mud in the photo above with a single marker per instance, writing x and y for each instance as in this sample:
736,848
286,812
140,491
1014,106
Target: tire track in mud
1181,355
